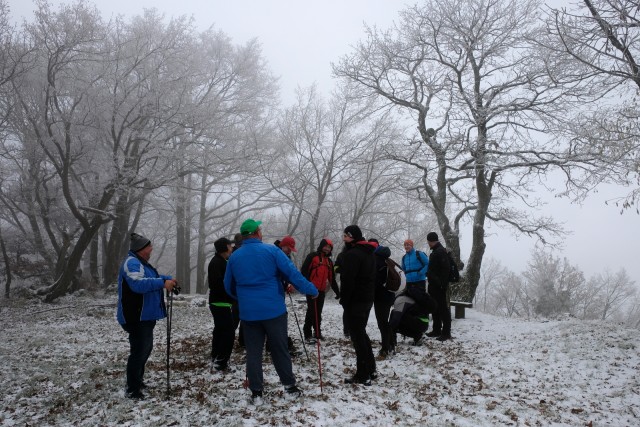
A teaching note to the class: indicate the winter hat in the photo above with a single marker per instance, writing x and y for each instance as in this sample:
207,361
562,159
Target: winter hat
409,241
249,227
289,242
138,242
221,245
432,237
354,232
329,242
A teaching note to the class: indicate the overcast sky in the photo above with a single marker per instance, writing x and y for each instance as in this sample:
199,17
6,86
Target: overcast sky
300,39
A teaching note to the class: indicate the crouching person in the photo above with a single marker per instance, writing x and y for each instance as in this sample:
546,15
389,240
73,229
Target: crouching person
140,304
410,314
254,277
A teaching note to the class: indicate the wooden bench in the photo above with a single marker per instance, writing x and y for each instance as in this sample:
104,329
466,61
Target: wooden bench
460,306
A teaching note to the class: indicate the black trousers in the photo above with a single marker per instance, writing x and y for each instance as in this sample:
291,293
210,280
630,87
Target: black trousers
358,315
442,315
382,307
310,317
225,323
140,344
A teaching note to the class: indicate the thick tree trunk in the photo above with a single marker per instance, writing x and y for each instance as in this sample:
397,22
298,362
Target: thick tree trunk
117,239
201,262
64,282
93,259
181,261
7,267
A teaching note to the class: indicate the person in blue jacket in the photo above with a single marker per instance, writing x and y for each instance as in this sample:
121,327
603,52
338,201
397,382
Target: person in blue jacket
254,277
140,305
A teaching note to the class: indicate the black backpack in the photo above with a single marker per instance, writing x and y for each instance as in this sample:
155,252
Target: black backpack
454,273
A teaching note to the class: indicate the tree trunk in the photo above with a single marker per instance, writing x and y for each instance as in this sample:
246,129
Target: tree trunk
180,236
201,262
64,281
7,267
118,235
94,250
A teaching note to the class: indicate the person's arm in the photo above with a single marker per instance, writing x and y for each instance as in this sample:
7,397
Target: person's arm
425,264
136,279
229,282
290,272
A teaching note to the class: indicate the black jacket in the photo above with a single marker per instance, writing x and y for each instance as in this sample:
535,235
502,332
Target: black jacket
216,270
357,274
438,273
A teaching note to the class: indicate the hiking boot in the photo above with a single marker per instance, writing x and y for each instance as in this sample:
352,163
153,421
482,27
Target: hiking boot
256,397
433,334
135,395
292,392
444,337
418,341
355,380
374,376
310,340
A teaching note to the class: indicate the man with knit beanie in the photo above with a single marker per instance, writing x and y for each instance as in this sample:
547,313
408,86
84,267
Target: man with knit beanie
357,278
438,276
140,304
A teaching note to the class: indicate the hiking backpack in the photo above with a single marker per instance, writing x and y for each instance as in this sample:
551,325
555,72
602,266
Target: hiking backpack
393,276
454,273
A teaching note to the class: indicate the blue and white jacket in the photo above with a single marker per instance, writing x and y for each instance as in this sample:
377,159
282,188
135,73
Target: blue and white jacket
140,291
254,277
414,270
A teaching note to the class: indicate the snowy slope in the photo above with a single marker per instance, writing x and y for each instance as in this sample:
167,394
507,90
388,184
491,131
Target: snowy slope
64,364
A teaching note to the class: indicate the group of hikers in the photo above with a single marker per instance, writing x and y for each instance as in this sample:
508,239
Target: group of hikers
248,284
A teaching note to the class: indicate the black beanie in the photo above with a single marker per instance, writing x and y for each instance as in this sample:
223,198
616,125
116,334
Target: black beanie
354,232
221,245
138,242
432,237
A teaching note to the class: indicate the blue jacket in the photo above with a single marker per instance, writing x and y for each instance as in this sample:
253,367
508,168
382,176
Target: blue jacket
140,291
254,277
414,270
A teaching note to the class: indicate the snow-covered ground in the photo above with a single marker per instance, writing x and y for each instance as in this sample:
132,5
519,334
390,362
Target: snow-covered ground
64,364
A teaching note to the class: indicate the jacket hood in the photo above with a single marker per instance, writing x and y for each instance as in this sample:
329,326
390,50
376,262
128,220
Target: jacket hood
367,246
323,243
383,251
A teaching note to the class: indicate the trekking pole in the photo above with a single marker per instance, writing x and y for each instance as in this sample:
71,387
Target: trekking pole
293,308
315,302
170,297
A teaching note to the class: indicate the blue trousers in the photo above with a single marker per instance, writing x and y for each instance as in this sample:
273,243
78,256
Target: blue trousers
140,345
255,332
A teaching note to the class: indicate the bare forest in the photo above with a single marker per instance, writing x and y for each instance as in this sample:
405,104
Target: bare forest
450,120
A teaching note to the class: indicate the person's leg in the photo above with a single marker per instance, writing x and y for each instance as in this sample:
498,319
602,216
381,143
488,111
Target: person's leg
358,322
224,334
147,331
309,318
214,351
319,304
445,315
345,324
276,330
437,318
381,308
140,346
254,335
